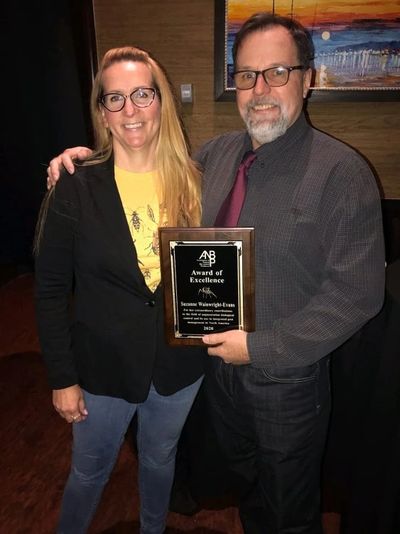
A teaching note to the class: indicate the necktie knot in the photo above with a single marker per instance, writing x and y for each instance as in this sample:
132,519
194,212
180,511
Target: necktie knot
247,160
229,212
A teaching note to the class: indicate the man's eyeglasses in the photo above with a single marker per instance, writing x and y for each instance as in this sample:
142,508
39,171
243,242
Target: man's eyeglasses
274,76
141,97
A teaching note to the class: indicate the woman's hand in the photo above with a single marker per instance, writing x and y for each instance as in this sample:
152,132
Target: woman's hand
65,159
70,404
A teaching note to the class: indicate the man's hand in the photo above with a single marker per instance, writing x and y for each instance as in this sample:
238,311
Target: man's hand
66,159
231,346
70,404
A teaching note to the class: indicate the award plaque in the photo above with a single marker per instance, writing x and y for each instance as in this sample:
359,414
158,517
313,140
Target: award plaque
208,280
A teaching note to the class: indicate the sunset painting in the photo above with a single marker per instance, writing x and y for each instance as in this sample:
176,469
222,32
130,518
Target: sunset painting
357,43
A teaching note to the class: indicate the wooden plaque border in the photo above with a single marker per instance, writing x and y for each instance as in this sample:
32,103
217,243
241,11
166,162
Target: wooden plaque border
206,235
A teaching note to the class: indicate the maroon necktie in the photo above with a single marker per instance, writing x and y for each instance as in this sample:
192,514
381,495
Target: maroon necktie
229,212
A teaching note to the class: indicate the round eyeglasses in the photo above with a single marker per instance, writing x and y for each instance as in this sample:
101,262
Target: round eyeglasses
141,98
274,76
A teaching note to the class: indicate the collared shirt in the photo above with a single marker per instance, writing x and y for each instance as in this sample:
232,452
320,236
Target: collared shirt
316,211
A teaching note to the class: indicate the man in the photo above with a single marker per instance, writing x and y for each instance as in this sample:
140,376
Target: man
319,277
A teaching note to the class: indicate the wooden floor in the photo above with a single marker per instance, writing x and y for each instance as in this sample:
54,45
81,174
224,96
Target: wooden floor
35,443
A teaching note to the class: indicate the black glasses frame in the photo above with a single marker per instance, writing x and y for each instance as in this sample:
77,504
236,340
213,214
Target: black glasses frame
154,91
263,74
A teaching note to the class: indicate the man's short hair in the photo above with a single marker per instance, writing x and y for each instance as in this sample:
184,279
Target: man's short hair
264,20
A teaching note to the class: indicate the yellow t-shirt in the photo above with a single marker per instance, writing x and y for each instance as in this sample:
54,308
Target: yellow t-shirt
141,206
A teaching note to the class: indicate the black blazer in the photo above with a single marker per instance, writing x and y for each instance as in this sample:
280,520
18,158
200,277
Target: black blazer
109,338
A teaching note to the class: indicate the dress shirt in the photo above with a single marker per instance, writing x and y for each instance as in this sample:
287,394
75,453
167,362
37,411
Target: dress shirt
316,210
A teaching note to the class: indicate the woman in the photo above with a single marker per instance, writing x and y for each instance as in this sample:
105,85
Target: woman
97,237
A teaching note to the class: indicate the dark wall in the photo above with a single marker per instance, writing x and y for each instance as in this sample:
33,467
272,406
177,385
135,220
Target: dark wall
43,101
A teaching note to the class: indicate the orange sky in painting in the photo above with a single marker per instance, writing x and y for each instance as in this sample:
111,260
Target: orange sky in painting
312,12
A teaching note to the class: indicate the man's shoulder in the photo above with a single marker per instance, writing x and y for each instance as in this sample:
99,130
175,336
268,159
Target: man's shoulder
223,142
340,166
325,141
227,137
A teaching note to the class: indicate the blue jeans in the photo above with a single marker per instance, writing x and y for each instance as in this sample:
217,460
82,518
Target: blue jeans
96,444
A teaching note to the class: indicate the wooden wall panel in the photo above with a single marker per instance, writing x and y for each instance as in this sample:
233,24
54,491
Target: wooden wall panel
180,33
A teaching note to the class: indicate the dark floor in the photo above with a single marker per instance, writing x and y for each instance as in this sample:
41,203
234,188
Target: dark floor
8,271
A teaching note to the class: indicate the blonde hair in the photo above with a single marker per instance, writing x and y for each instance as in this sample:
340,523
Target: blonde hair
178,177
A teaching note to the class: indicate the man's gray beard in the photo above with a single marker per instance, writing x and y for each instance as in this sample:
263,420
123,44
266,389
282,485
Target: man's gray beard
266,132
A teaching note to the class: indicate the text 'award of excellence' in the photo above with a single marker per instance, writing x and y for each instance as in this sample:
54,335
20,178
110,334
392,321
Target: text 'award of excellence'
208,280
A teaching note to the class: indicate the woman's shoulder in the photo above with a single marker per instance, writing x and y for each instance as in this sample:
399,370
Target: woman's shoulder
85,174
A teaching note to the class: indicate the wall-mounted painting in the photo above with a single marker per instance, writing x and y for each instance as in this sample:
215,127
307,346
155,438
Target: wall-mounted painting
357,44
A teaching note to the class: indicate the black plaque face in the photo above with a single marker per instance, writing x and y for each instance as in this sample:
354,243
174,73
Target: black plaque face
208,281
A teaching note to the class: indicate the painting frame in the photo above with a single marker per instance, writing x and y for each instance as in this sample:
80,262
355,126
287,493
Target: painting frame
224,93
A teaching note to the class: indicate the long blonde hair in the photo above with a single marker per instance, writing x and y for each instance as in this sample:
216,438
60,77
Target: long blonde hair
178,177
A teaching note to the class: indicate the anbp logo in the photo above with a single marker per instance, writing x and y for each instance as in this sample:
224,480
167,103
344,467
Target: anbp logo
207,258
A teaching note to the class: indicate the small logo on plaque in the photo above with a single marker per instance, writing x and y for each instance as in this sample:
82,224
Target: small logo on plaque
206,293
207,258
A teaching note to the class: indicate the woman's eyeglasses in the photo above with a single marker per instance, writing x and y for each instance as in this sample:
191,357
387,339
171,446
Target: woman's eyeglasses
141,98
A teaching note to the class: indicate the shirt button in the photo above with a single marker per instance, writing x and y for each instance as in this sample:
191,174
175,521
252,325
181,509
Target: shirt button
150,303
